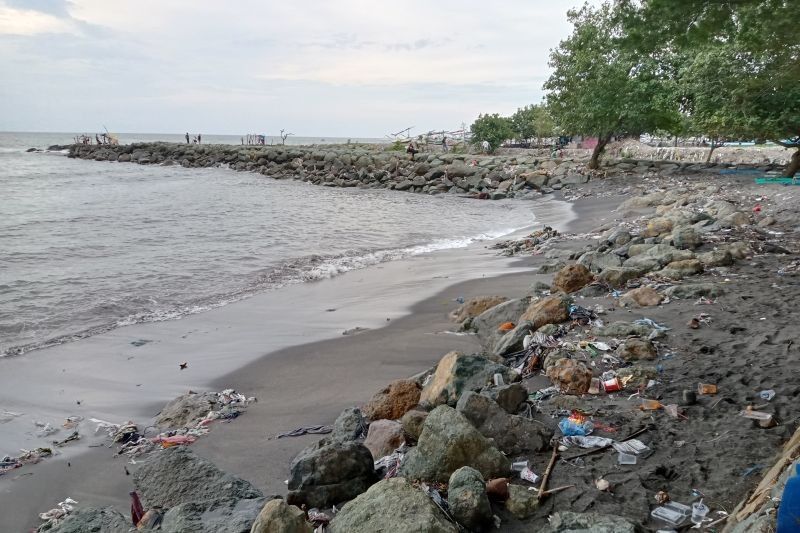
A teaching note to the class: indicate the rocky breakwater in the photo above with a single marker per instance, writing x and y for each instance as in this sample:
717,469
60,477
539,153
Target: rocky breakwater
486,177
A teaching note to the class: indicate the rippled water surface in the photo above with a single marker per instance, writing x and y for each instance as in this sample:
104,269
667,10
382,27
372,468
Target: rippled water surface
88,246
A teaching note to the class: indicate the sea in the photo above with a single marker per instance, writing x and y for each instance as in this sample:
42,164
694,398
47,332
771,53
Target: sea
86,246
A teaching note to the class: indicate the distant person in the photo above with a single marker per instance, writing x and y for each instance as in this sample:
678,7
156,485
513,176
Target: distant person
199,139
97,138
412,149
187,137
485,146
444,143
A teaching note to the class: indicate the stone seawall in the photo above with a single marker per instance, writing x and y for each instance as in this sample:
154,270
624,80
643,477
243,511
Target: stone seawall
494,177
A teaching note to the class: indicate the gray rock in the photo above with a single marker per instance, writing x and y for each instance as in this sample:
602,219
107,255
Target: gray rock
325,473
569,522
391,505
176,475
218,516
457,373
665,254
186,410
686,238
486,324
694,290
622,329
637,350
412,423
91,520
467,499
597,262
512,434
682,269
384,437
521,502
349,425
404,185
448,441
278,517
618,277
574,179
512,341
715,258
509,397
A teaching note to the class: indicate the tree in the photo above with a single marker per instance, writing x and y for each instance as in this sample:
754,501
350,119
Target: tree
599,88
743,77
493,129
532,121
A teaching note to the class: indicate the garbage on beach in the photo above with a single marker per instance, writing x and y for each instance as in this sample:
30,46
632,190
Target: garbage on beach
767,394
27,457
706,388
528,475
630,447
587,441
575,425
57,514
672,514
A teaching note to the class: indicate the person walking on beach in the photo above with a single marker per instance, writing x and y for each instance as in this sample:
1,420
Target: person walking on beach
187,137
444,143
199,139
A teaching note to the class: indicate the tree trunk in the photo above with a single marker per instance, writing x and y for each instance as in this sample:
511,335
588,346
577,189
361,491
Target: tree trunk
594,162
714,146
793,167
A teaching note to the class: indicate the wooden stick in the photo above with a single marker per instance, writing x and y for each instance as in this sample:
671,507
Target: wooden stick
557,489
543,486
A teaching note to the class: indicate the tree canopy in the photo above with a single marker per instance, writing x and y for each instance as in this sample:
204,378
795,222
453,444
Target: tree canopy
532,121
493,129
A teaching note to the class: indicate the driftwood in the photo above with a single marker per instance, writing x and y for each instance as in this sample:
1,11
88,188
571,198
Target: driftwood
542,488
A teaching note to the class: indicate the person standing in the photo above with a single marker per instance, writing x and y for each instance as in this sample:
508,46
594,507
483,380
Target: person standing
199,139
187,137
444,143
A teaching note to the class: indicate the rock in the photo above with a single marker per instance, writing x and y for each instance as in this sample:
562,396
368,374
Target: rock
642,296
694,290
512,341
598,262
447,442
637,350
475,306
572,278
547,268
486,324
175,475
657,226
349,425
618,277
278,517
186,410
622,329
618,237
509,397
404,185
521,502
569,522
218,516
412,422
715,258
553,357
767,221
548,310
384,437
393,401
457,373
391,505
686,237
664,253
734,220
326,474
739,250
682,269
512,434
638,249
642,264
466,497
570,376
91,519
637,375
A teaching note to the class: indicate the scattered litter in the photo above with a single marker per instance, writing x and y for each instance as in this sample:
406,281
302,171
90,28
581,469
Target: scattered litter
519,466
768,394
56,515
528,475
306,430
706,388
587,441
649,322
602,484
631,447
575,425
699,512
389,465
626,459
662,497
672,514
27,457
72,437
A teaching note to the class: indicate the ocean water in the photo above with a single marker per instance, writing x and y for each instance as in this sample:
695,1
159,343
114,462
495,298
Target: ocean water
89,246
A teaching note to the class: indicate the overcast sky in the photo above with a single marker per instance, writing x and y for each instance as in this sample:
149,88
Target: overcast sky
347,68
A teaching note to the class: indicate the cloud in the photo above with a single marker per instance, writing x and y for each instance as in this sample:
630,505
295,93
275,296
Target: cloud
15,21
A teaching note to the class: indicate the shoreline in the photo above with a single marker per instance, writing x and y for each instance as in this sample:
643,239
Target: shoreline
175,340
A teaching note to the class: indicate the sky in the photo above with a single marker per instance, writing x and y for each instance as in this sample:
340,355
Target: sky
348,68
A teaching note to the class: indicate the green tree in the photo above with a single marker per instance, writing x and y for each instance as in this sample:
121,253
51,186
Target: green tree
743,80
600,88
493,129
532,121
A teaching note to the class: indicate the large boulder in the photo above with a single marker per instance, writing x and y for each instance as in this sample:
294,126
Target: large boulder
569,522
622,329
391,505
475,306
384,437
393,401
510,397
521,502
278,517
412,423
349,425
217,516
716,258
457,373
635,349
512,434
448,441
572,278
618,276
176,475
326,474
90,519
549,310
642,296
598,262
466,497
686,238
570,376
485,325
512,341
682,269
187,409
657,226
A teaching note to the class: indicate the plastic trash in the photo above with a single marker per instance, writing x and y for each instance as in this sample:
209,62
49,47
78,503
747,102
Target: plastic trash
672,514
626,459
519,466
699,512
632,447
528,475
587,442
571,427
650,405
498,380
768,394
706,388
